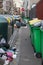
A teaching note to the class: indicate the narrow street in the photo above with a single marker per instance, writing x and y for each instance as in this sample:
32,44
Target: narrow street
21,29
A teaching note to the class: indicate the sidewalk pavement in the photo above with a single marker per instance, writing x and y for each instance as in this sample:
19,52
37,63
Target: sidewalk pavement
25,54
26,50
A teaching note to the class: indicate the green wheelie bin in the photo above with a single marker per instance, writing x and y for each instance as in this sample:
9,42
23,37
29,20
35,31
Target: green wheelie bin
31,35
3,28
35,38
26,20
37,41
33,29
42,44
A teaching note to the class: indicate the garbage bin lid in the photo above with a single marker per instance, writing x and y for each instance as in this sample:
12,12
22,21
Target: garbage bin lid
34,21
2,20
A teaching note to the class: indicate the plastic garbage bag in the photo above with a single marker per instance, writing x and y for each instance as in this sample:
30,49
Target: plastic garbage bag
37,24
41,27
14,56
3,40
42,23
10,54
6,62
4,57
13,49
10,51
23,24
35,20
1,50
18,24
7,46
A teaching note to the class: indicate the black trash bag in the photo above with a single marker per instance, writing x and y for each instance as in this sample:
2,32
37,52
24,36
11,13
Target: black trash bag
18,24
6,45
1,45
13,48
23,24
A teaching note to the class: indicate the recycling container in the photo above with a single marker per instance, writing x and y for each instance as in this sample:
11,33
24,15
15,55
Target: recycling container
31,23
36,34
31,32
3,28
26,19
42,44
31,35
35,37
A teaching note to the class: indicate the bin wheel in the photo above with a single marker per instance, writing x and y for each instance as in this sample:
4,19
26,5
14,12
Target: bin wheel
42,62
38,55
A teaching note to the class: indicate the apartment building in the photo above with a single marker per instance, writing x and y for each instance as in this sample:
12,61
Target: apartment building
1,5
7,5
28,4
17,5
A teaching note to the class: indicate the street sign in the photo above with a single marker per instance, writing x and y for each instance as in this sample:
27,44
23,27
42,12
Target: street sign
22,9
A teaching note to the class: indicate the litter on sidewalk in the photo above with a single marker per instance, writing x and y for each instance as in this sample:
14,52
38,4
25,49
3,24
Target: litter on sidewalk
7,53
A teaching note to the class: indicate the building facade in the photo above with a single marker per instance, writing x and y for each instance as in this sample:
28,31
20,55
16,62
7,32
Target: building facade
7,5
27,5
1,6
